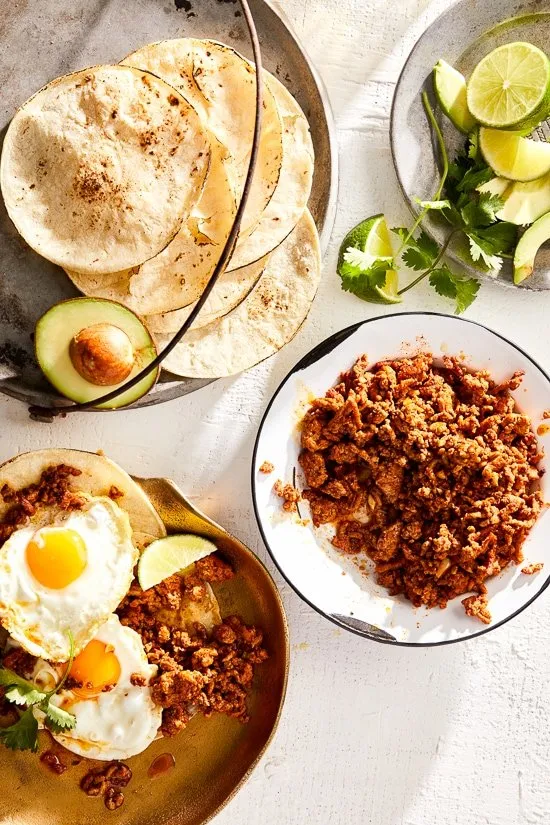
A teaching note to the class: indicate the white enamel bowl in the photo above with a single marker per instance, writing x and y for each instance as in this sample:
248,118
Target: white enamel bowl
332,583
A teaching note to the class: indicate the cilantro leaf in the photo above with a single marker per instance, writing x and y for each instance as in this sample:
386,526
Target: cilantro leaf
23,735
360,258
473,145
480,252
466,292
8,678
501,236
26,696
475,177
483,211
421,252
488,243
449,285
361,282
19,690
443,282
57,719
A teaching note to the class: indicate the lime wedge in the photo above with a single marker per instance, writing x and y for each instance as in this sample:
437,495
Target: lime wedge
514,157
164,557
450,90
378,240
373,240
387,294
370,236
510,87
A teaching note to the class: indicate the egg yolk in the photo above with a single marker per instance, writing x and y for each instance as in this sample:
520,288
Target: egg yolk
58,558
96,667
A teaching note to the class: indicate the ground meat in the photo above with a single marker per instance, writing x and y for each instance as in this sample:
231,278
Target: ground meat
197,671
531,569
20,662
177,687
267,467
477,607
289,494
428,469
314,467
53,488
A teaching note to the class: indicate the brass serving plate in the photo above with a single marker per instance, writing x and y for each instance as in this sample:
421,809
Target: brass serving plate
214,757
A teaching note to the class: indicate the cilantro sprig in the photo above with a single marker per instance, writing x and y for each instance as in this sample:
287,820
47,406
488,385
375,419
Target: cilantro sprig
469,212
23,735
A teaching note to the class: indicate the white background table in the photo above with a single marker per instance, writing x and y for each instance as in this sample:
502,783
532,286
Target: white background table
370,735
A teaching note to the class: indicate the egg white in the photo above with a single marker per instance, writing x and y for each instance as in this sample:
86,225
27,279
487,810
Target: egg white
38,617
116,724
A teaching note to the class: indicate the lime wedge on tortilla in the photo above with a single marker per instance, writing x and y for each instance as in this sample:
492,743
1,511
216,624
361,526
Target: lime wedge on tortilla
514,157
164,557
450,90
510,87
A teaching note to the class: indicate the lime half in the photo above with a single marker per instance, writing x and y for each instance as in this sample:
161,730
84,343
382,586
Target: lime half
450,90
514,157
510,87
164,557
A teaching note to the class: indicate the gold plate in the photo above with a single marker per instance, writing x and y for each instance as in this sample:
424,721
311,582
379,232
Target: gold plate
215,756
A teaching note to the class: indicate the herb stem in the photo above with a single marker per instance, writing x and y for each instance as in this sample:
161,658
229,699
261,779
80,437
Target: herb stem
431,268
440,142
444,174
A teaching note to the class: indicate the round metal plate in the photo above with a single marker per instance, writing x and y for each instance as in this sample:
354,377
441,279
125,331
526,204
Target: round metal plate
461,36
40,42
214,757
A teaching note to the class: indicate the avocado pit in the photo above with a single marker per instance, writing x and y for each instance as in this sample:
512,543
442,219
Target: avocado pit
102,354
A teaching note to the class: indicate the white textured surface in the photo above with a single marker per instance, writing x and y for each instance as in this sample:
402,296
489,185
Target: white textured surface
371,735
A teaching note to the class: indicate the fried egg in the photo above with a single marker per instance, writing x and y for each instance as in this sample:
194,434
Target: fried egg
115,715
65,572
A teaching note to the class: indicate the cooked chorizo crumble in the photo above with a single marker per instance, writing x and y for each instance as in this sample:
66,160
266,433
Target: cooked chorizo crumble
290,495
53,488
267,467
197,670
531,569
428,469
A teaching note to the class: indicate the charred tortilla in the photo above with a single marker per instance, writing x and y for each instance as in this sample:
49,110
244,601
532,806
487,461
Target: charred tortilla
100,167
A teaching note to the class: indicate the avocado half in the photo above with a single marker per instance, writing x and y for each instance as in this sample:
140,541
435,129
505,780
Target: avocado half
87,347
528,246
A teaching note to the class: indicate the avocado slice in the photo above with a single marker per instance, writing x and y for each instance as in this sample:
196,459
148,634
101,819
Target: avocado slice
88,346
528,246
525,203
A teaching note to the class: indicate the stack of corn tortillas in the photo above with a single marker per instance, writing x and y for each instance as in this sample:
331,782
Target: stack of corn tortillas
129,178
